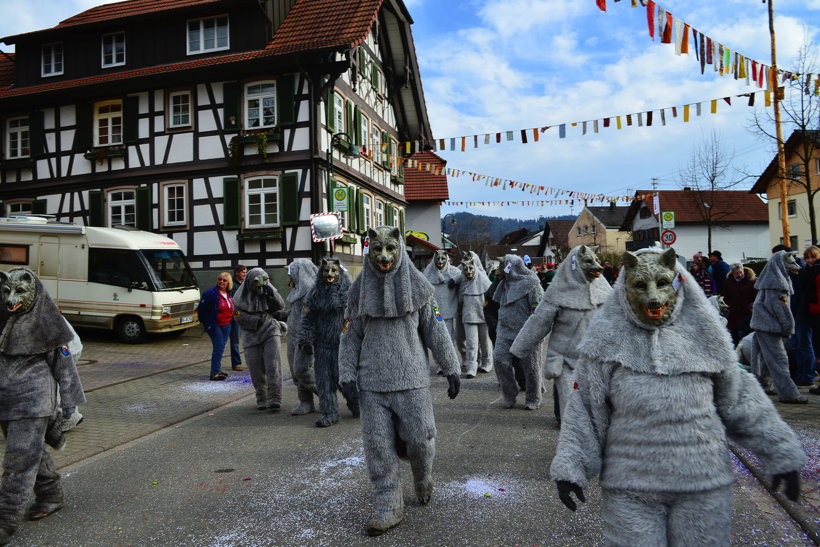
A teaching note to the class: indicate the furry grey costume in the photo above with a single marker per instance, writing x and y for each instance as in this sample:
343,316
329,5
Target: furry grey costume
517,295
471,303
564,315
446,292
261,338
34,361
391,324
303,273
773,324
652,422
322,323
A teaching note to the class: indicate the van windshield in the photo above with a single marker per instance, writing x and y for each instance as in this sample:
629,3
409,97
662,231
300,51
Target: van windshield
169,269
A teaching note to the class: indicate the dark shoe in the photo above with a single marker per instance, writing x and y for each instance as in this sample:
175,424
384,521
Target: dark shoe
326,420
804,383
238,368
815,390
305,407
274,406
41,510
799,400
218,377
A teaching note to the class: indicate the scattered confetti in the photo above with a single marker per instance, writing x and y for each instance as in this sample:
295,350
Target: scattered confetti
246,479
502,489
154,483
488,495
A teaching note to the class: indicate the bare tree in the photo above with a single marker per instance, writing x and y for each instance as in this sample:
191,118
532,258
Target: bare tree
801,114
706,173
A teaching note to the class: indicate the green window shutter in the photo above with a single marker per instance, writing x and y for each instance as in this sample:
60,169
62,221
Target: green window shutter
289,199
348,120
231,203
356,133
362,61
401,221
231,111
35,134
130,120
96,208
84,125
388,214
38,207
285,103
331,111
352,219
385,149
360,225
145,209
374,76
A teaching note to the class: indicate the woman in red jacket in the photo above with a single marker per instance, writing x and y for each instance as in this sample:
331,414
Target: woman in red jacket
215,314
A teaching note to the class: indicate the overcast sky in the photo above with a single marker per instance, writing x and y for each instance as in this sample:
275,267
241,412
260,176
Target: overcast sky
499,65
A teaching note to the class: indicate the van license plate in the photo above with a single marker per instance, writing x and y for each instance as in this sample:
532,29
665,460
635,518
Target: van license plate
188,319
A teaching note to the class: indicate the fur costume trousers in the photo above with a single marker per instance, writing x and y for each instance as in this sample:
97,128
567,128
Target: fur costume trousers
265,366
479,347
326,365
769,350
301,369
392,423
27,466
647,519
506,374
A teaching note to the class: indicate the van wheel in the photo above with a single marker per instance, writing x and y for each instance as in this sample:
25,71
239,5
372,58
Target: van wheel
130,330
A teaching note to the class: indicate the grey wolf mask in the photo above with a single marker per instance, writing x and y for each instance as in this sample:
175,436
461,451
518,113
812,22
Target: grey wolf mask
468,269
650,288
440,259
258,283
385,248
18,290
331,269
588,263
790,260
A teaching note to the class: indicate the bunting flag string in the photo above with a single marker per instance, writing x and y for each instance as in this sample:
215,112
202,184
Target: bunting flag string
724,60
639,119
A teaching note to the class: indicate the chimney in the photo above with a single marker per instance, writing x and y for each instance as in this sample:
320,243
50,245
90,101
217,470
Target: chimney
687,189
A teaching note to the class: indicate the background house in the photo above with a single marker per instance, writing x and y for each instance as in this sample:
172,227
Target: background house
216,123
600,229
740,226
424,191
800,146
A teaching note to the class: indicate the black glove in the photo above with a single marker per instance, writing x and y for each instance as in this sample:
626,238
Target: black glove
349,390
564,490
451,283
455,385
791,480
267,290
306,348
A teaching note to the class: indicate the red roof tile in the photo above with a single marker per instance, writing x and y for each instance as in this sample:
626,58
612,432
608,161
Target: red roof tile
319,24
727,205
6,71
422,184
119,10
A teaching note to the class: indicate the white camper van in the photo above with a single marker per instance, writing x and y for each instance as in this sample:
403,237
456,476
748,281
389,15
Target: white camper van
111,278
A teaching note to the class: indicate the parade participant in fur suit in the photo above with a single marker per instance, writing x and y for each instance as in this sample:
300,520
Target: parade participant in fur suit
652,422
773,324
442,276
392,322
302,274
256,301
575,293
322,322
34,362
472,286
517,295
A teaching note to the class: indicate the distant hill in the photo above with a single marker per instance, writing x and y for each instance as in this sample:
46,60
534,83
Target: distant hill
483,229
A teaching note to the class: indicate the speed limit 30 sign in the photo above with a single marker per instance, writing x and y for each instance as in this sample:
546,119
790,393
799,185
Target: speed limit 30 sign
668,237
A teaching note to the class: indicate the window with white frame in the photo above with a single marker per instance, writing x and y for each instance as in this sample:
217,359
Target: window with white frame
368,211
108,123
173,199
17,138
376,148
817,165
262,202
208,34
578,230
122,208
364,136
395,218
51,63
339,113
260,105
379,213
113,49
18,208
179,113
791,208
394,159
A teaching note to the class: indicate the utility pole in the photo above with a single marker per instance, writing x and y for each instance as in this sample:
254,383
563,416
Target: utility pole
781,152
654,183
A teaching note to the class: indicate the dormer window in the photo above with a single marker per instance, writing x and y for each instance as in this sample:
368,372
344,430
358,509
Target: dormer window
52,59
113,49
208,34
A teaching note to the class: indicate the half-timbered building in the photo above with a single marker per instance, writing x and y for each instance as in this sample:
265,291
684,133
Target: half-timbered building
223,124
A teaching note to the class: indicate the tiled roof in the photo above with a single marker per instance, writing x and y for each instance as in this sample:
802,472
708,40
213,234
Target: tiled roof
425,185
727,206
319,24
6,71
770,173
608,215
560,231
118,10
